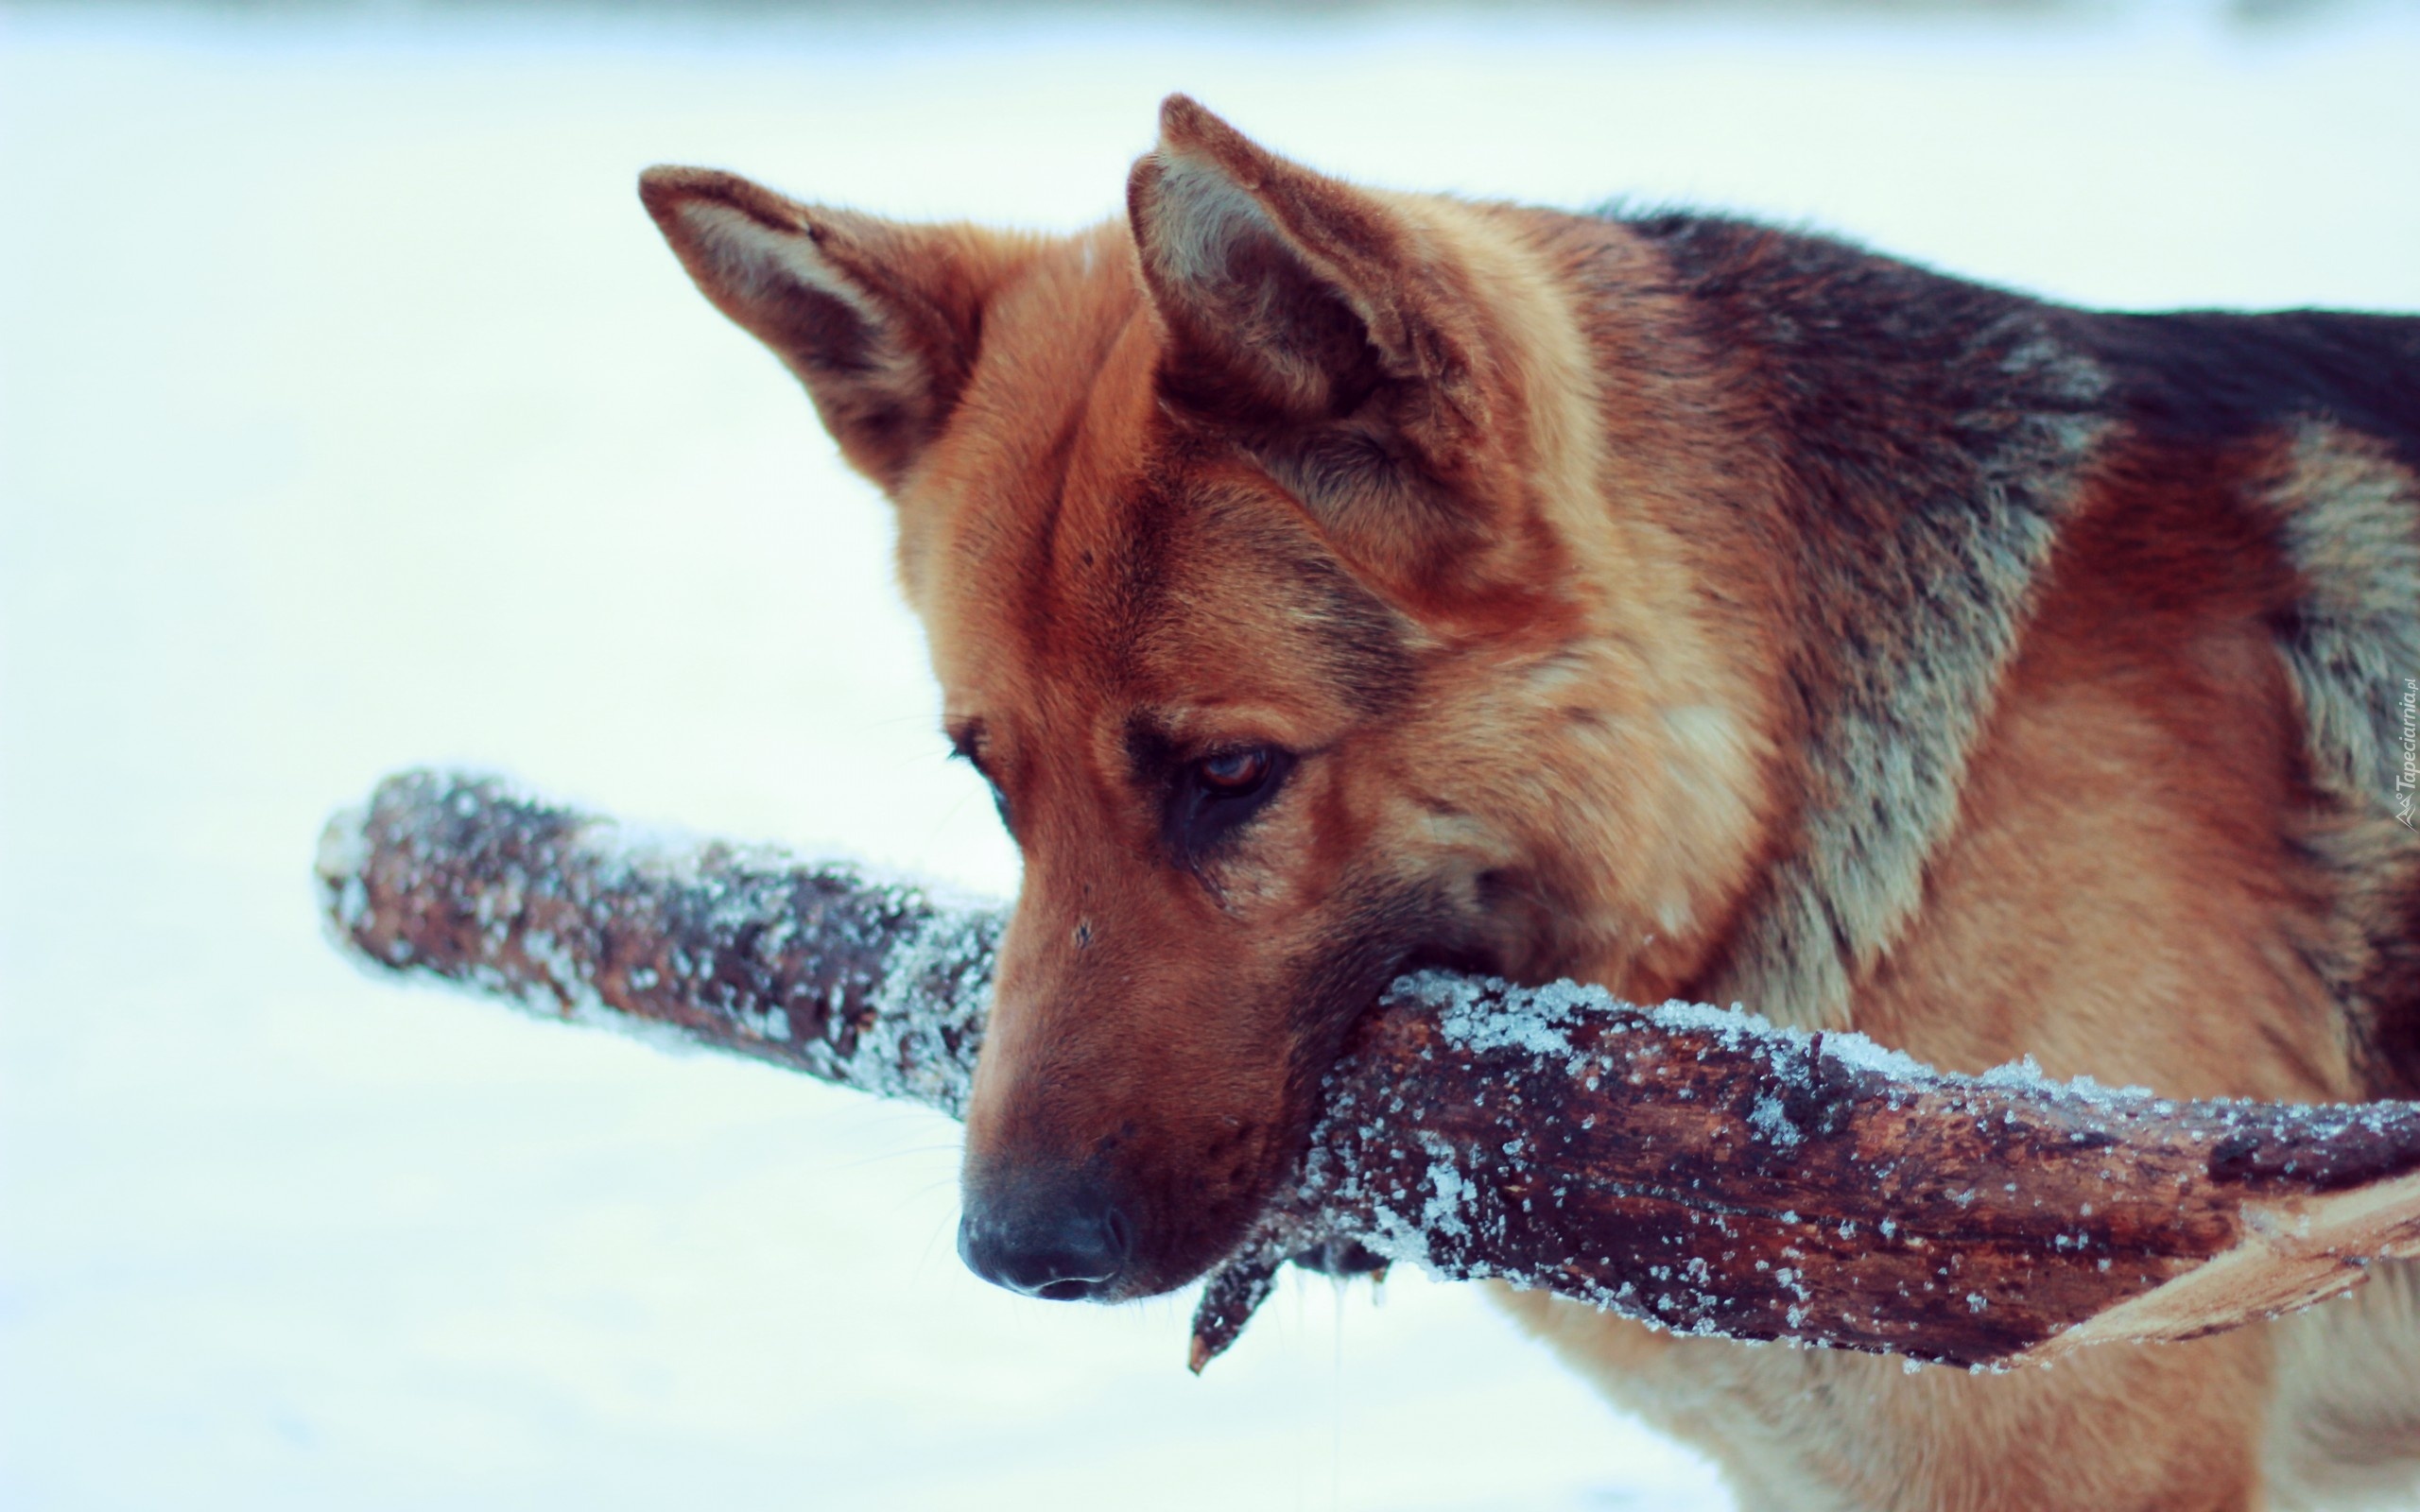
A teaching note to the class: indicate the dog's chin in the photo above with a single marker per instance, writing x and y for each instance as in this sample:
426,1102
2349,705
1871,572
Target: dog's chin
1193,1238
1189,1261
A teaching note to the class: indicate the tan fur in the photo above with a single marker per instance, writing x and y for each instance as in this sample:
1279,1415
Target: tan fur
1488,528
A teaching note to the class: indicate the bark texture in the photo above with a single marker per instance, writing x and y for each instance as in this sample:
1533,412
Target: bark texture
1698,1169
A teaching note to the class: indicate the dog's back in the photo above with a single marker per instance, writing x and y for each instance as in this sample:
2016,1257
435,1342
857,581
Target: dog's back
1330,580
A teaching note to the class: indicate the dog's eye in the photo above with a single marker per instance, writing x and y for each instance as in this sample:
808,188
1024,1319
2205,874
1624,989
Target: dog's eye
1217,793
964,750
1233,773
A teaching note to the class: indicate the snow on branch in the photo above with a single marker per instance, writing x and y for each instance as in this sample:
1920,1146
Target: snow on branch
1697,1169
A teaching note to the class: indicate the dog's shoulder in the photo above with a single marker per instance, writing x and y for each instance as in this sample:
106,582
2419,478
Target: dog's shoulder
1961,461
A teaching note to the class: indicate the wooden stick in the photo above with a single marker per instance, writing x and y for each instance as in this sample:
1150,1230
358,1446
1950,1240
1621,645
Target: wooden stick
824,967
1696,1169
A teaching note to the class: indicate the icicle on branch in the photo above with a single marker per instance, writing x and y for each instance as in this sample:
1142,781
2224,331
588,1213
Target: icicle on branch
1699,1170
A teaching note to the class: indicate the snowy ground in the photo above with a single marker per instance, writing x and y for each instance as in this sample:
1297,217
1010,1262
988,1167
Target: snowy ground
351,416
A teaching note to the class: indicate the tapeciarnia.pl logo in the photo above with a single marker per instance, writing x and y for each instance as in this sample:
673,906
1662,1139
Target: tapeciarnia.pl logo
2408,779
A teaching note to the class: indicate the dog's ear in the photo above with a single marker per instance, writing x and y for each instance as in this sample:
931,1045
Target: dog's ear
1293,297
879,320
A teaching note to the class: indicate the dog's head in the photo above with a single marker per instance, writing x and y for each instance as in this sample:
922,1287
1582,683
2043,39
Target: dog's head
1259,542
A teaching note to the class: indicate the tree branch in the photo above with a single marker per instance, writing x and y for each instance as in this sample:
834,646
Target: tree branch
1699,1170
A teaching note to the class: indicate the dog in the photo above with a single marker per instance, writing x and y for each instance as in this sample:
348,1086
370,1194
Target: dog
1331,581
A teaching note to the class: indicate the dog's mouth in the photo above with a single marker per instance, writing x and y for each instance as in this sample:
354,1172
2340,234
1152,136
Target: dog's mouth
1331,1255
1235,1287
1471,960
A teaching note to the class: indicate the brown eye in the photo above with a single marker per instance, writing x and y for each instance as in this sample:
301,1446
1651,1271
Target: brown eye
1232,774
1215,795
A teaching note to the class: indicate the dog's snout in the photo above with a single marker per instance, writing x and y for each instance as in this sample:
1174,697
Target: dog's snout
1065,1243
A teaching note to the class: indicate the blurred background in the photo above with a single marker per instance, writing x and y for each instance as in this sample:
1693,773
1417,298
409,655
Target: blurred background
352,417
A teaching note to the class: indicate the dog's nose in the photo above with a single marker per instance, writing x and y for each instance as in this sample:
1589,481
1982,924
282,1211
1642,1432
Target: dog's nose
1064,1245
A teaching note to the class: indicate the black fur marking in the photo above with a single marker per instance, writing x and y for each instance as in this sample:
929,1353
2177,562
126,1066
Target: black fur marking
2215,377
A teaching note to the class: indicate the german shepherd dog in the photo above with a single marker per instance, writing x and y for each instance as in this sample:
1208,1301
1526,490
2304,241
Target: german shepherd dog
1331,581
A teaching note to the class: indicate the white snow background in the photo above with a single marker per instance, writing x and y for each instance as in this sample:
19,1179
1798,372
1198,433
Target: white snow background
352,417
